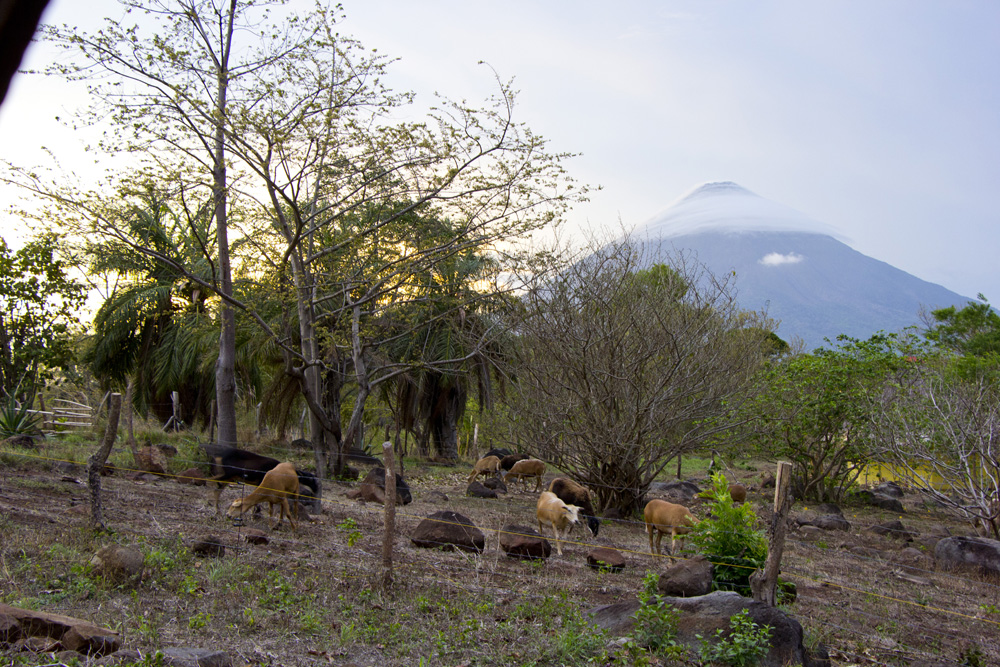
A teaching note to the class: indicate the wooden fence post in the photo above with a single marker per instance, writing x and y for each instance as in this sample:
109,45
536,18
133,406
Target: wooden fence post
764,583
390,515
97,460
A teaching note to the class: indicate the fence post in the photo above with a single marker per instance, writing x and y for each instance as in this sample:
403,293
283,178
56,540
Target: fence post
390,515
97,460
764,583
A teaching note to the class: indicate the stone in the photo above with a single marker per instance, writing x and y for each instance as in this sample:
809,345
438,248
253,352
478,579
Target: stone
496,485
891,489
151,459
477,490
255,536
73,634
687,578
23,440
829,508
831,522
191,476
811,531
703,615
120,564
680,490
887,503
606,558
195,657
894,529
436,496
767,481
210,547
448,530
524,543
372,488
978,554
167,450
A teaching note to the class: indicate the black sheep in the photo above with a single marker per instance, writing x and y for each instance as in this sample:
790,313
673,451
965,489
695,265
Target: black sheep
572,493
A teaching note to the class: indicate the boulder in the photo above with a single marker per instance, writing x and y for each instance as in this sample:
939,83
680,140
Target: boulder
681,490
195,657
524,542
255,536
831,522
887,503
477,490
969,553
210,547
829,508
496,485
894,529
191,476
372,488
890,489
687,578
119,564
151,459
23,440
168,451
73,634
703,615
449,530
605,558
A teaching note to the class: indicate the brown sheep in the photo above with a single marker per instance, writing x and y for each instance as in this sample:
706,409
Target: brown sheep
525,469
738,493
553,512
662,517
280,483
485,466
572,493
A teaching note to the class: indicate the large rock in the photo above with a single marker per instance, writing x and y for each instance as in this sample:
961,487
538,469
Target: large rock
448,530
151,459
496,485
477,490
890,489
705,614
210,546
606,558
23,440
687,578
372,488
972,553
191,476
119,564
524,542
195,657
73,634
681,491
894,529
831,522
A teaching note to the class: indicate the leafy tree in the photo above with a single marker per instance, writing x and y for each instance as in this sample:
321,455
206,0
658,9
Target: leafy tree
814,410
624,362
973,330
39,302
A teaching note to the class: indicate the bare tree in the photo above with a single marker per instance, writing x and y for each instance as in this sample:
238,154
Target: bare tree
626,359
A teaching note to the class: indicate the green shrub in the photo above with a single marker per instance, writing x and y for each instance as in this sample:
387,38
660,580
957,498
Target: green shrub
729,540
655,620
746,644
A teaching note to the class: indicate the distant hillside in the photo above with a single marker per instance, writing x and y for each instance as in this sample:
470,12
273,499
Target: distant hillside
817,286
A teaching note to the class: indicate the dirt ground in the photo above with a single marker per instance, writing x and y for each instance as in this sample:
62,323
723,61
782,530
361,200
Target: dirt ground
310,596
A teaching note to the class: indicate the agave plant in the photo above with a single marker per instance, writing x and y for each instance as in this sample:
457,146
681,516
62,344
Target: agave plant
16,419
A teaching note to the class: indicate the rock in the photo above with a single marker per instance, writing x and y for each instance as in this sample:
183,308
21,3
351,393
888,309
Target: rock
890,489
210,547
810,530
496,485
767,481
195,657
911,554
448,530
477,490
255,536
191,476
894,529
687,578
705,614
23,440
38,645
437,496
73,634
167,450
119,564
605,558
969,553
372,488
829,508
887,503
682,490
933,535
866,552
831,522
151,459
524,542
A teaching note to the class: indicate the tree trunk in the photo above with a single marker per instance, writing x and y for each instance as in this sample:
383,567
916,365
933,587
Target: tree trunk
97,460
129,393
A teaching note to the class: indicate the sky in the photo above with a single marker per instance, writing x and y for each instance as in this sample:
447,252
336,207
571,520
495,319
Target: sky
878,119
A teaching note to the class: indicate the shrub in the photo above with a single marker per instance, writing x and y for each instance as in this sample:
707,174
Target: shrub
744,647
730,540
655,620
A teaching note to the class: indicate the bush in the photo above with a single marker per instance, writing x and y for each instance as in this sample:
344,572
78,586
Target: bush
655,620
729,540
746,644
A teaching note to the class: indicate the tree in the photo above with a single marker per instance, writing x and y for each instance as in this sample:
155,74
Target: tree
39,302
624,362
816,410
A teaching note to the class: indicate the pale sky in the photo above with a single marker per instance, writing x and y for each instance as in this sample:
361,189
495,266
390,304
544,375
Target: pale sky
880,119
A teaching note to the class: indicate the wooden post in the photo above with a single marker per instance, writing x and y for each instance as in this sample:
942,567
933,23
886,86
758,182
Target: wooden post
97,460
764,583
175,398
390,515
211,423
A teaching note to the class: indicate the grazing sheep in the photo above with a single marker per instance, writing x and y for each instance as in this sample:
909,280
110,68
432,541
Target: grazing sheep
738,493
230,464
485,466
527,468
507,462
662,517
553,512
572,493
280,483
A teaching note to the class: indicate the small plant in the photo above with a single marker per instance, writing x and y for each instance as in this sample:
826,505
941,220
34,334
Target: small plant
15,419
730,540
655,620
350,527
746,644
199,620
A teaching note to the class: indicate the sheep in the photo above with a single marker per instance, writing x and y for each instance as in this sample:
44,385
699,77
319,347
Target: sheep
280,483
508,461
553,512
662,517
485,466
527,468
572,493
230,464
738,493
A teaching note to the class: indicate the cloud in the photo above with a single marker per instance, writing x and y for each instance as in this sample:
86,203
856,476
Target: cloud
777,259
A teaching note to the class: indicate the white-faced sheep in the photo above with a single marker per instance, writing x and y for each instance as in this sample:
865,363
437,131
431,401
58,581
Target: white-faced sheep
485,466
553,512
662,517
280,483
572,493
525,469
